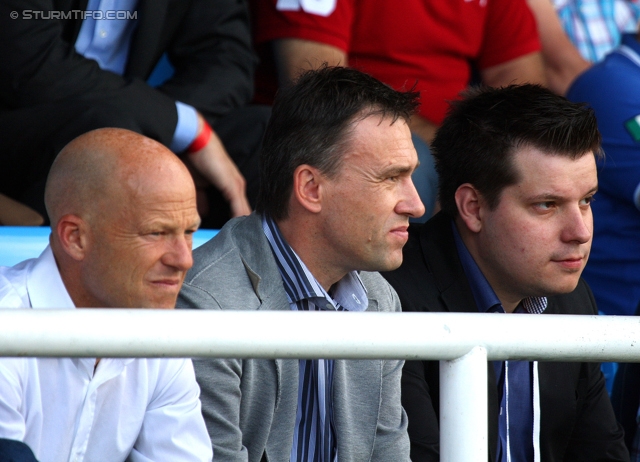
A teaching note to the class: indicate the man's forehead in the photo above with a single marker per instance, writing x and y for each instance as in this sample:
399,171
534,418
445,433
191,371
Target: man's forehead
537,168
374,129
534,158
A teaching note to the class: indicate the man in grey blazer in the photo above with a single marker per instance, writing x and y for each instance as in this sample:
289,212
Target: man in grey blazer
334,208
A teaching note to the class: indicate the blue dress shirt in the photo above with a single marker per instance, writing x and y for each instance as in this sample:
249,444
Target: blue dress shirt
514,378
107,41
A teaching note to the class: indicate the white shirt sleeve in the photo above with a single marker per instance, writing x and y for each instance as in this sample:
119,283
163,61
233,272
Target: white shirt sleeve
173,427
12,420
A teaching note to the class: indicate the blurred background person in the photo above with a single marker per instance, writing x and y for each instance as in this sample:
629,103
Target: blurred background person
70,67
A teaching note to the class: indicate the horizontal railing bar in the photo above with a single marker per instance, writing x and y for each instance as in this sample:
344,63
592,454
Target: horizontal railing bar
288,334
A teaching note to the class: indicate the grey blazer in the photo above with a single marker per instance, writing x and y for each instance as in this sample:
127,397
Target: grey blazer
250,405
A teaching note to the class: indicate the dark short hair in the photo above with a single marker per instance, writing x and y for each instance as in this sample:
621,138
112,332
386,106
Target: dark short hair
482,131
311,124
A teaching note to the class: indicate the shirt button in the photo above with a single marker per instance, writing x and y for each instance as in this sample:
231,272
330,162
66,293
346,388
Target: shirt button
329,306
103,33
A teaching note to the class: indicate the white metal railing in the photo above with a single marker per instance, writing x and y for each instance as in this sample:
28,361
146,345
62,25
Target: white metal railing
464,343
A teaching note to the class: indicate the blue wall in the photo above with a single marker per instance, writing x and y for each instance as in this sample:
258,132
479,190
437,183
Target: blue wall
18,243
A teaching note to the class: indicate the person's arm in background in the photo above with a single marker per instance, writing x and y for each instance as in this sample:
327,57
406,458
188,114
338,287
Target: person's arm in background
524,69
511,50
215,166
293,56
214,64
563,63
13,213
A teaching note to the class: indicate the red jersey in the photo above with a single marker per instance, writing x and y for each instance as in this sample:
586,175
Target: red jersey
429,44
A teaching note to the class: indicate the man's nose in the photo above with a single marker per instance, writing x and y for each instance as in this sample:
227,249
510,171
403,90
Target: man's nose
178,254
579,226
410,203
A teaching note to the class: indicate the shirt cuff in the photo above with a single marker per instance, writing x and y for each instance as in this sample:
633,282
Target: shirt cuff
186,129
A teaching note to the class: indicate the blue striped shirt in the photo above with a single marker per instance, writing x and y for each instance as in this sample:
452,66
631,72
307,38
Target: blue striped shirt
314,438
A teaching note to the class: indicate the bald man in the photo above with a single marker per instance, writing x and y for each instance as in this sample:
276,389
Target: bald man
123,211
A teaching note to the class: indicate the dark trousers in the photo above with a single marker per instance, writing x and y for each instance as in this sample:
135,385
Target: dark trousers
15,451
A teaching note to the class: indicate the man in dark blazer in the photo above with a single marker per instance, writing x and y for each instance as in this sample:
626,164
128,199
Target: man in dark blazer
50,93
517,174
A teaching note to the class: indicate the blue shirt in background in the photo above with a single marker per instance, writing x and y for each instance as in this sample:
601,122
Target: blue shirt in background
107,41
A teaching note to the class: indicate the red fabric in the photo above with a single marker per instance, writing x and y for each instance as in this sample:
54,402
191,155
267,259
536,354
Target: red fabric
201,140
429,43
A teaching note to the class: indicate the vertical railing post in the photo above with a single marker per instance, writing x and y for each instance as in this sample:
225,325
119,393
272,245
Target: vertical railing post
463,408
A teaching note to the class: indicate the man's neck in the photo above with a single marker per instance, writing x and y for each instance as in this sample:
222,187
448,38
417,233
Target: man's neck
509,303
311,252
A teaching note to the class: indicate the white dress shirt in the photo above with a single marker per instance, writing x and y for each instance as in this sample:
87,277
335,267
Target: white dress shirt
127,409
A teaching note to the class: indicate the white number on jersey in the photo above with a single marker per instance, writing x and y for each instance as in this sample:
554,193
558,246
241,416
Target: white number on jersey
319,7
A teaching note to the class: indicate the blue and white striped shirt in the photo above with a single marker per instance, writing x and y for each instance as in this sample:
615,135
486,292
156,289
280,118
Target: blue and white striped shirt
314,438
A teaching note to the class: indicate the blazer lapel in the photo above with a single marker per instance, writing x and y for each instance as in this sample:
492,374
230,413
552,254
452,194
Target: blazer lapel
440,254
143,53
71,27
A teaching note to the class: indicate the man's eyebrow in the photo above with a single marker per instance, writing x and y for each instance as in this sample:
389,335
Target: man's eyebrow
397,170
555,197
196,224
172,227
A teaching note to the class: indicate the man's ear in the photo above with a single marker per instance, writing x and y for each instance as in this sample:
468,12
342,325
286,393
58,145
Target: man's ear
72,236
469,202
307,187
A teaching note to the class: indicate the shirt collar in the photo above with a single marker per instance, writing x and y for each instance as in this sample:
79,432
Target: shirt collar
630,48
486,299
300,284
483,294
45,286
631,40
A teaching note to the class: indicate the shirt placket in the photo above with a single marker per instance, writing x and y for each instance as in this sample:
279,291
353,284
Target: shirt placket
106,370
87,413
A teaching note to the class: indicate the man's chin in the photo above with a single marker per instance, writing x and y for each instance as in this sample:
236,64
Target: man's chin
563,287
391,263
165,303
